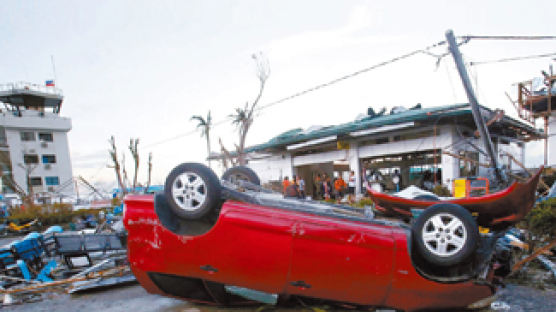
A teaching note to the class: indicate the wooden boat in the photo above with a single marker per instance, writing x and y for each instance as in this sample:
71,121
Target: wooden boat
497,210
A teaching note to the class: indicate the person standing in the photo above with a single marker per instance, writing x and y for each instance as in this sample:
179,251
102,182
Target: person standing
339,187
317,185
326,185
351,187
292,191
285,184
301,184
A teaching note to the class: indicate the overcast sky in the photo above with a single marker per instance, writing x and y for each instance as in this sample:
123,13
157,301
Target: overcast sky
143,68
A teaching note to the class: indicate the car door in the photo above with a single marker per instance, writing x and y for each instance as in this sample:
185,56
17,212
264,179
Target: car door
341,260
250,246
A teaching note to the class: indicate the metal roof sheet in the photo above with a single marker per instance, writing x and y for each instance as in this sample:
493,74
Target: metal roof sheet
298,135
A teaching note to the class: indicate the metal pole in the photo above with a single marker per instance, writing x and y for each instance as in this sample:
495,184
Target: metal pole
479,121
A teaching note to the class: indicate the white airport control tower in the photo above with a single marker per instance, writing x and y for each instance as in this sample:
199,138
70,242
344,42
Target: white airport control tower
34,151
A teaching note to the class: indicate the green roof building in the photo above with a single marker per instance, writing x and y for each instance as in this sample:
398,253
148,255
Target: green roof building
434,145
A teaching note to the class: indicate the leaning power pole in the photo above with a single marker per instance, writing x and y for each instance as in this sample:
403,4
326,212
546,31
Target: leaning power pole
479,121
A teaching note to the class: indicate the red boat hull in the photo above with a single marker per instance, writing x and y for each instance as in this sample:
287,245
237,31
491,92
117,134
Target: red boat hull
495,210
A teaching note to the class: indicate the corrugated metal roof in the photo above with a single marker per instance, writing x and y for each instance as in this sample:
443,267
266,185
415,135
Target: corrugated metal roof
297,135
433,113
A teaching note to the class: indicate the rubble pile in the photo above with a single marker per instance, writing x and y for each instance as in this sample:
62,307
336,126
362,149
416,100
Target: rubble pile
55,261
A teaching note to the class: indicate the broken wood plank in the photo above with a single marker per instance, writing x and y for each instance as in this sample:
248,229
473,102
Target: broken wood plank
42,287
534,255
466,159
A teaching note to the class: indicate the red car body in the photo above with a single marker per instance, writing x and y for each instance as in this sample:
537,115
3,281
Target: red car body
290,252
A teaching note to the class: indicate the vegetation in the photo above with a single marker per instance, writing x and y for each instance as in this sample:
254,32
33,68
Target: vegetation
365,201
133,149
243,117
441,190
48,214
549,177
204,125
119,165
116,163
541,221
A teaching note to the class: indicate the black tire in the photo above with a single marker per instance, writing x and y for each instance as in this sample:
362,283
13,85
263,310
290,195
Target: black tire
426,197
241,173
441,242
199,197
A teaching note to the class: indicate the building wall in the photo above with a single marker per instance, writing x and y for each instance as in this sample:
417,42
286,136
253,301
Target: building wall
273,168
33,121
446,139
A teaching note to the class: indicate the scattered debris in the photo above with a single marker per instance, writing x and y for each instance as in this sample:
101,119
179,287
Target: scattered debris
534,255
254,295
500,306
59,262
548,264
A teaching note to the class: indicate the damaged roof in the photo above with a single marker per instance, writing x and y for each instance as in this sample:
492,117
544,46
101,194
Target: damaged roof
299,135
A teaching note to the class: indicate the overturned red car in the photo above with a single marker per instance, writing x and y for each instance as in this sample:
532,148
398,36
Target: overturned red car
204,234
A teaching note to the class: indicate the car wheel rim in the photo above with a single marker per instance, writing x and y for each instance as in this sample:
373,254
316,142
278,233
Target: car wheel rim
189,191
444,234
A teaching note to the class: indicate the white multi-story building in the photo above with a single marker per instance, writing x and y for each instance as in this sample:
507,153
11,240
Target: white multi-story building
34,151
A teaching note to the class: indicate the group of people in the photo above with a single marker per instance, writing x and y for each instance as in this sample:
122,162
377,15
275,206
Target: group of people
293,188
326,188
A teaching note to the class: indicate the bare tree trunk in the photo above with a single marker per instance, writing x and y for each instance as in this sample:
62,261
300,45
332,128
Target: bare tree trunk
150,166
208,149
263,72
124,173
116,164
227,157
133,148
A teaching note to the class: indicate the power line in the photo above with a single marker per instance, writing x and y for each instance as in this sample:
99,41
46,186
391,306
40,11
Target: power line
510,59
426,50
469,37
357,73
183,134
321,86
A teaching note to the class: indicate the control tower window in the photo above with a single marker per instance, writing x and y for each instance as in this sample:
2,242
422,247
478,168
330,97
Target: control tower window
35,181
31,159
52,180
48,159
45,136
27,136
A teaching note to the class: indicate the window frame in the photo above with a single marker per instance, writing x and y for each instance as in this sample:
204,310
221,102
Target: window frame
52,183
22,136
42,134
35,179
46,156
27,156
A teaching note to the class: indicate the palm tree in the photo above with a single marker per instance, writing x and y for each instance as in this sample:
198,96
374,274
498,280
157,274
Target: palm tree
204,125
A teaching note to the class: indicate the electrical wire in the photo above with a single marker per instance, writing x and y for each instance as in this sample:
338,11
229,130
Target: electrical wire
511,59
425,51
357,73
475,37
179,136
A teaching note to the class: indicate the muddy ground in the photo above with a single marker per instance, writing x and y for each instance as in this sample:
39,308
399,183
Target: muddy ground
134,298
